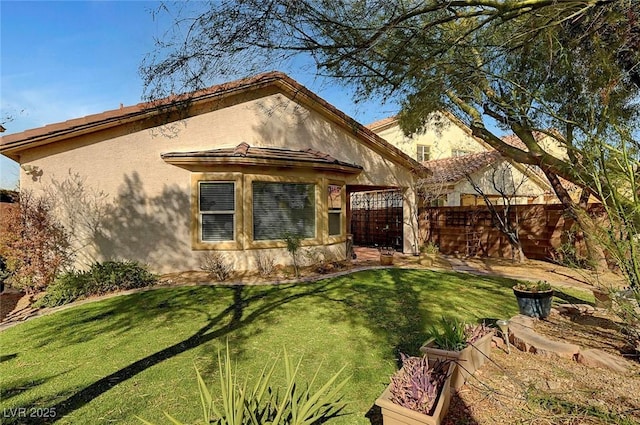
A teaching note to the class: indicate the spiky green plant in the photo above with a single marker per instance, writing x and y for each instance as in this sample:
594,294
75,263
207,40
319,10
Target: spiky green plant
295,404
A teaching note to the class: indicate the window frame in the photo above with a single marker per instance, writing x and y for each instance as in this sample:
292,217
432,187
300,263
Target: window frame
341,211
312,187
202,212
424,148
196,221
280,178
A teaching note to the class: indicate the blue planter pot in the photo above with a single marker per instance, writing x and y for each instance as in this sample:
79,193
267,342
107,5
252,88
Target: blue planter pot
534,304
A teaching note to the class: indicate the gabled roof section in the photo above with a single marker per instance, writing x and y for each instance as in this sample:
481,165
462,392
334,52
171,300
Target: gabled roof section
11,145
245,155
454,169
389,122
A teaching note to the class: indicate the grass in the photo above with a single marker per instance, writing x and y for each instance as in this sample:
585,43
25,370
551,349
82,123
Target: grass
106,361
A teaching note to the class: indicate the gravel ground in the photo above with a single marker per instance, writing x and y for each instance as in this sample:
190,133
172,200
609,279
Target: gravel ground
524,388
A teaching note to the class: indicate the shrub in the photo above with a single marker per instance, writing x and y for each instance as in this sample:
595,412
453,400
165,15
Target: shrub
101,278
294,242
266,264
295,403
455,335
67,288
568,253
33,243
430,248
216,265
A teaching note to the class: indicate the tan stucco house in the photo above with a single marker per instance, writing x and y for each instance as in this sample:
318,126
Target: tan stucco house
230,168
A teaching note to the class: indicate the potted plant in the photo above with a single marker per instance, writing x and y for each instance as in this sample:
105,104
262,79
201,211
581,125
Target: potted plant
534,298
386,255
419,393
465,344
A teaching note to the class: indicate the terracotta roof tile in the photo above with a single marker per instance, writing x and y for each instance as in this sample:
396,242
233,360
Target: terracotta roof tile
381,123
453,169
274,154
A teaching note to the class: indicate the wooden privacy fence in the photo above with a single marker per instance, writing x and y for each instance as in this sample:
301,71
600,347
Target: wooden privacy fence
471,231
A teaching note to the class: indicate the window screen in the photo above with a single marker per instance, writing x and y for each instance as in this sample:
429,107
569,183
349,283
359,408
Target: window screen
335,210
217,211
279,208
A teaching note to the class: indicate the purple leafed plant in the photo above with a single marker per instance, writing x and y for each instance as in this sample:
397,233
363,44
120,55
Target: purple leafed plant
475,332
417,384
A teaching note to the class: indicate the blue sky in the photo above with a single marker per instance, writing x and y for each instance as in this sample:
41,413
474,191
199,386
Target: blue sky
67,59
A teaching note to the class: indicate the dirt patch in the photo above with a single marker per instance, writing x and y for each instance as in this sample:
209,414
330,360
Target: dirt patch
13,305
520,388
527,388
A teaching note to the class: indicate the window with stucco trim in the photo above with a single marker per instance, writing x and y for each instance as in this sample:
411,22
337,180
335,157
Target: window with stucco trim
216,205
335,209
280,208
423,153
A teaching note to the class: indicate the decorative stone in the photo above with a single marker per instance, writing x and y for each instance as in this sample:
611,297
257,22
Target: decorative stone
523,337
599,358
497,342
575,309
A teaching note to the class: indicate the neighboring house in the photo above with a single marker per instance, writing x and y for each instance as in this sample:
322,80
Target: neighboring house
450,151
444,137
230,168
495,175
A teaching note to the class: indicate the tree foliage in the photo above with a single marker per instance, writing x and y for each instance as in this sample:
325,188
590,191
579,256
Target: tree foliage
33,244
565,70
569,69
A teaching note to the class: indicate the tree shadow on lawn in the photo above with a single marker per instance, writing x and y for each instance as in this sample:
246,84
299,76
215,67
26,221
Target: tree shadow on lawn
243,309
402,304
568,298
394,304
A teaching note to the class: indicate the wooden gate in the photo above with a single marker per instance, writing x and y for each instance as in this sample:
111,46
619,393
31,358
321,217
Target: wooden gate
376,219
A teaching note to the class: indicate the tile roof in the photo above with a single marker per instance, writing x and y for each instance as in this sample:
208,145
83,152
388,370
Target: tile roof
273,155
453,169
12,144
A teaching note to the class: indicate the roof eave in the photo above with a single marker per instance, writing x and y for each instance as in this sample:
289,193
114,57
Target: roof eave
186,161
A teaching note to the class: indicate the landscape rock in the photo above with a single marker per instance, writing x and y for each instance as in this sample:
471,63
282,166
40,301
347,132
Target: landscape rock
599,358
523,336
575,309
497,342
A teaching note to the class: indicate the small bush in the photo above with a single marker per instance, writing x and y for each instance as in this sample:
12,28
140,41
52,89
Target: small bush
215,263
67,288
294,242
266,264
430,248
568,253
100,279
112,276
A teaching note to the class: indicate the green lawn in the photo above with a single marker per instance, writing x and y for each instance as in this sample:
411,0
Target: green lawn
107,361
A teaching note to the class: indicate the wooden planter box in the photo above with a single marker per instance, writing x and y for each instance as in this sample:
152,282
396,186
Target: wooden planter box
468,360
393,414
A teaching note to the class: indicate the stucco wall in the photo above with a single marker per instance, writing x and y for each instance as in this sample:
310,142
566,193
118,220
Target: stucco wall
442,136
147,201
